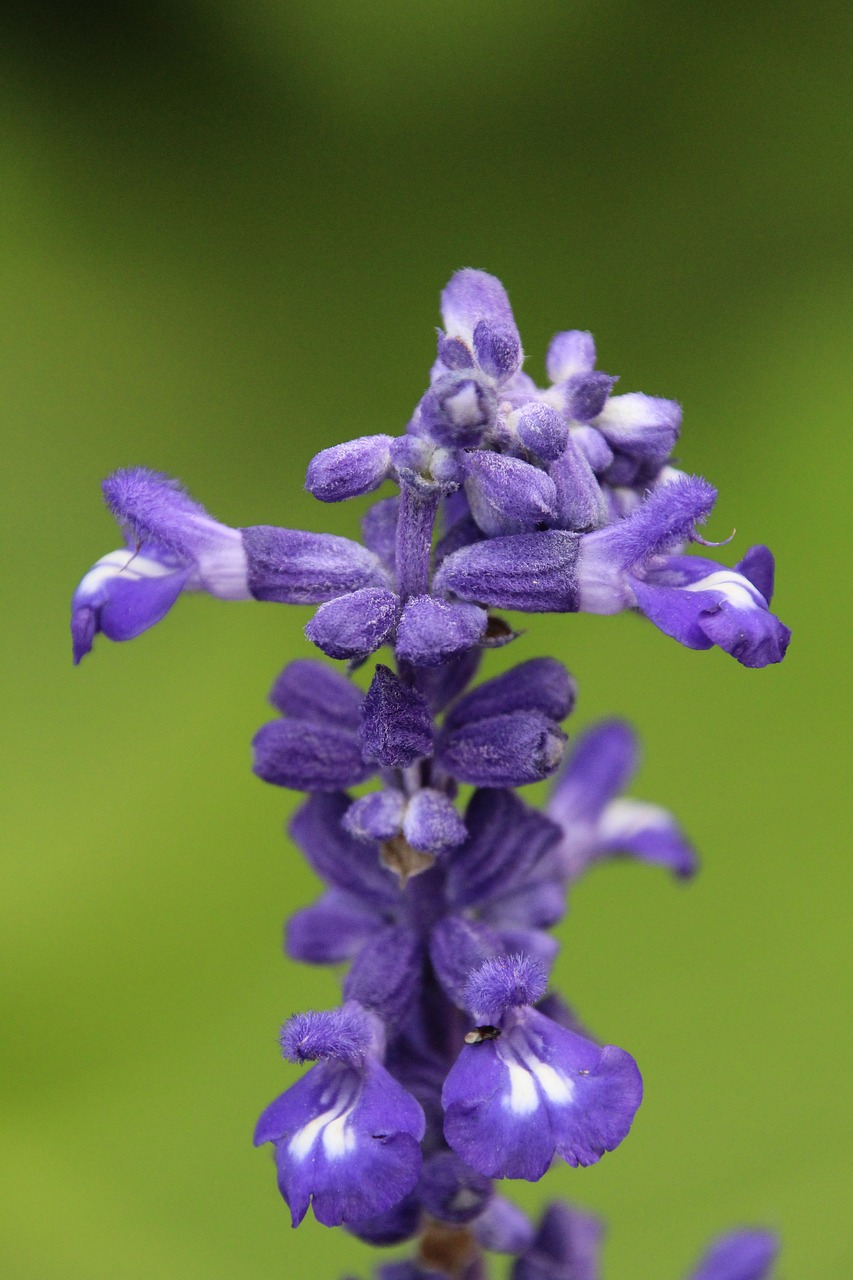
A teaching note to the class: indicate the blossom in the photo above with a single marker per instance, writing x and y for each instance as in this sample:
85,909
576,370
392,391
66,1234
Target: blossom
173,546
346,1135
533,1089
597,823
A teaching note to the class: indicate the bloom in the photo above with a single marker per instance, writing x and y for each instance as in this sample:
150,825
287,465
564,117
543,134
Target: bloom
516,1098
347,1136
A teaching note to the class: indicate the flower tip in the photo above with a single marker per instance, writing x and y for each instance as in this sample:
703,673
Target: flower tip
83,628
334,1033
505,982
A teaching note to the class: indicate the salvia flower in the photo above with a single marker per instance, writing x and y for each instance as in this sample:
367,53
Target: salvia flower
515,1099
447,1065
346,1136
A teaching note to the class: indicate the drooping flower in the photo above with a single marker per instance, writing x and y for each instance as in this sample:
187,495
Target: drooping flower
597,822
173,546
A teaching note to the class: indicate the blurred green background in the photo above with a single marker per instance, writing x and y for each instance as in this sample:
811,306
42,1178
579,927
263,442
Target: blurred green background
223,230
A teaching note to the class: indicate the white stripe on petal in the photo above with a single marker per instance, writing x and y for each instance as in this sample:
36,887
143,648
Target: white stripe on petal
127,564
737,589
331,1127
523,1097
623,819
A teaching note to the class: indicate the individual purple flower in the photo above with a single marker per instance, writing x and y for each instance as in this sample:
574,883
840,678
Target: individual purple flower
566,1246
347,1135
173,545
628,565
739,1255
525,1089
597,823
349,470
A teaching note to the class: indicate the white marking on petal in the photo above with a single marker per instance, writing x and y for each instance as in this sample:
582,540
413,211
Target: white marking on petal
127,564
623,819
554,1084
331,1126
523,1097
737,589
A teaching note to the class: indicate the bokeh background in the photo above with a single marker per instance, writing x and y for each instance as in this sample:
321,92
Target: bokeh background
223,230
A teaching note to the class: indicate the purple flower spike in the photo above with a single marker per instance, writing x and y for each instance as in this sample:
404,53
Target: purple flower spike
597,823
741,1255
347,1134
567,1246
173,545
504,751
396,726
524,1089
347,470
356,624
433,632
507,495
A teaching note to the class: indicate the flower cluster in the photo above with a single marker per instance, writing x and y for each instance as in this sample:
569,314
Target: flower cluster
449,1064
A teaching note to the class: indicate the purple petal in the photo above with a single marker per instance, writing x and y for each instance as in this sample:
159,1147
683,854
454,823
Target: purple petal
432,823
668,516
601,763
336,856
376,816
507,495
310,690
506,839
570,353
457,946
453,353
451,1191
84,626
386,974
129,601
503,1228
540,684
586,395
346,1139
647,832
308,757
472,296
331,931
759,567
723,608
155,509
579,502
356,624
347,1034
396,726
542,430
379,530
294,567
567,1246
534,572
504,751
741,1255
643,427
512,1103
498,349
504,982
455,412
433,632
347,470
593,446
